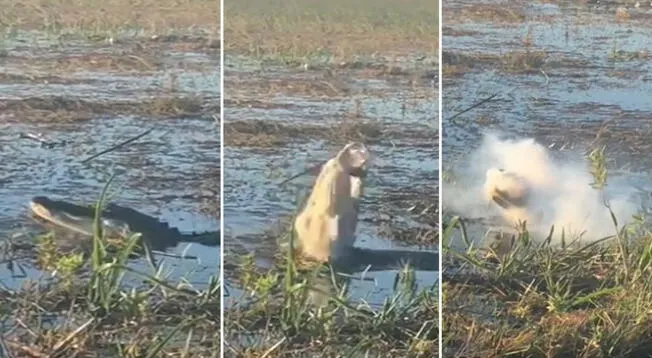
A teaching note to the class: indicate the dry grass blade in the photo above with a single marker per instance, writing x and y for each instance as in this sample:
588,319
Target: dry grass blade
61,346
26,350
273,348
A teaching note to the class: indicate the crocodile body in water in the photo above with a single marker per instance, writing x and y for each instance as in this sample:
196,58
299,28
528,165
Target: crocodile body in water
116,220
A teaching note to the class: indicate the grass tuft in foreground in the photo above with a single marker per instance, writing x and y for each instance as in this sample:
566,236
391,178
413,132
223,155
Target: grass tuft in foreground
588,297
297,309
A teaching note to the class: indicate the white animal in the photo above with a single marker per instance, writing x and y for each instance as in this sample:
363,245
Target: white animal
325,228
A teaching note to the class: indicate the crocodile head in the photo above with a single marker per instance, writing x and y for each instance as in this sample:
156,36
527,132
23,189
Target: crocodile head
115,219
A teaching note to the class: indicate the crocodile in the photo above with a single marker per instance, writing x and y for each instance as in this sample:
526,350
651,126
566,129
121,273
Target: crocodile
116,220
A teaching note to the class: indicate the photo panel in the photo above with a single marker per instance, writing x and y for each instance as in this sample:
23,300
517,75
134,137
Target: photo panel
545,179
331,174
110,141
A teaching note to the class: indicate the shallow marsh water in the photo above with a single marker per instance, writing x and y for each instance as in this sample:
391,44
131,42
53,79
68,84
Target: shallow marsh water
167,174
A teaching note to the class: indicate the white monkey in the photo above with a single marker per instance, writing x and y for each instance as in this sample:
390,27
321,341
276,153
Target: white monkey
325,228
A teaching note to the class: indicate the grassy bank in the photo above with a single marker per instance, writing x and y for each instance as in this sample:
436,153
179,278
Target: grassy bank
591,300
340,30
292,311
531,298
94,17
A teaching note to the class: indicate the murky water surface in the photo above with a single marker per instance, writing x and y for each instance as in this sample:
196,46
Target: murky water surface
253,200
166,174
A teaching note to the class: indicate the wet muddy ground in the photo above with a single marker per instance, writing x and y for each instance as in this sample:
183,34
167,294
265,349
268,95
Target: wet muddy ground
575,76
84,97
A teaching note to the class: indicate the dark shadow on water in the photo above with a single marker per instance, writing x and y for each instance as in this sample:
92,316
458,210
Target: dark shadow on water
158,235
362,259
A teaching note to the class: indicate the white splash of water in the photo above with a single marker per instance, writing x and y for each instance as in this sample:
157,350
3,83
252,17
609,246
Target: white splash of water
561,192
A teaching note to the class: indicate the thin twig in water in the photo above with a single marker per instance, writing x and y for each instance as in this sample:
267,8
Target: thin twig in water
141,60
478,104
546,76
39,138
167,254
303,173
117,146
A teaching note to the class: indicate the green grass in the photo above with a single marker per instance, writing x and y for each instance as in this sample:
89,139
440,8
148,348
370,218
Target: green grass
296,30
296,309
532,298
104,19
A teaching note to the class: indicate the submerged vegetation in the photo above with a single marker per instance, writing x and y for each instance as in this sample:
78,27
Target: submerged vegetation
95,304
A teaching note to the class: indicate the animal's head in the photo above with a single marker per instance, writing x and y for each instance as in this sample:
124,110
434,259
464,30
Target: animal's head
506,189
39,206
353,156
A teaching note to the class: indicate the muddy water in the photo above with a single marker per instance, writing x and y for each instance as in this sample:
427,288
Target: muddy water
595,75
166,174
254,202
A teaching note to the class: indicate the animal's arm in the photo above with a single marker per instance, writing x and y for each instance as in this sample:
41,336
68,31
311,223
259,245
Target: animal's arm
356,187
323,195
